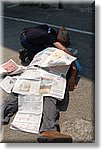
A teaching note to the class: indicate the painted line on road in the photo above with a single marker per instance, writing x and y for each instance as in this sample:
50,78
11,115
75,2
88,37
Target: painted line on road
40,23
12,5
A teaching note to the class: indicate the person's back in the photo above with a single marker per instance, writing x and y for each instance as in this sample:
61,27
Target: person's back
36,39
42,34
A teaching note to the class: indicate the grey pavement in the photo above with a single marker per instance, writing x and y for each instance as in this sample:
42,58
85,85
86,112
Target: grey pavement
78,119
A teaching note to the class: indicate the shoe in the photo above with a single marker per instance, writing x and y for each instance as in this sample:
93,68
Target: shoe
26,62
24,57
22,54
54,137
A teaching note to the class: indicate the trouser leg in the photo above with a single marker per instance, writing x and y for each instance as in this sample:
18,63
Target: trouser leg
9,107
32,50
50,117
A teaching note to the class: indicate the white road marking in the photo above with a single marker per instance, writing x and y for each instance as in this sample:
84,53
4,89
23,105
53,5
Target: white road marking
40,23
12,5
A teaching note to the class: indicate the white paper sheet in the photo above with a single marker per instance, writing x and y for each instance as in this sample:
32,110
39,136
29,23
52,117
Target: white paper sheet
52,57
7,84
52,85
28,118
56,88
30,103
31,73
26,122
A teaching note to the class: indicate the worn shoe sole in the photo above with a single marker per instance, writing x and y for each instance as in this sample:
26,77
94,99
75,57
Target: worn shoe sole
44,139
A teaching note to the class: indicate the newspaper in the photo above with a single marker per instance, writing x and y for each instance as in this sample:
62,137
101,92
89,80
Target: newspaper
54,59
29,114
45,76
20,70
36,82
42,76
32,74
10,67
58,88
7,84
52,85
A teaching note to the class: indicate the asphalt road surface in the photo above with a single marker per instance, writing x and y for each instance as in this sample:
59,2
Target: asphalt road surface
78,119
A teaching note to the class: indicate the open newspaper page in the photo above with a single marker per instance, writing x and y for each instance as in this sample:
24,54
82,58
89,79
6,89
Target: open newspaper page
52,85
54,59
29,114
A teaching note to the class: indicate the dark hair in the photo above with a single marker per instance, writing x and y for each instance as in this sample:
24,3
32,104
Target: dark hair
63,37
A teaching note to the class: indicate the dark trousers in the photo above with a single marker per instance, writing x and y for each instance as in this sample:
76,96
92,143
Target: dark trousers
50,116
32,50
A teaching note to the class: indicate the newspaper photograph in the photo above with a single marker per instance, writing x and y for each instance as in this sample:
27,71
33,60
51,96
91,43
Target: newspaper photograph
45,86
26,87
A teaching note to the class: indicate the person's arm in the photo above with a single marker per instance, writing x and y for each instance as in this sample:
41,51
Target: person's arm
71,77
60,46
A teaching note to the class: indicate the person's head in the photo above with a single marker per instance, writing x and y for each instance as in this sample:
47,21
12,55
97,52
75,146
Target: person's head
63,37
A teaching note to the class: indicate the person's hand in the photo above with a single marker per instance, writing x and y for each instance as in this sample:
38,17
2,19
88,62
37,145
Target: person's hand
71,84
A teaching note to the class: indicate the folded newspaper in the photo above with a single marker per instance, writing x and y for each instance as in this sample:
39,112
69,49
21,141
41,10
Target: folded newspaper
7,84
43,77
11,68
54,59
